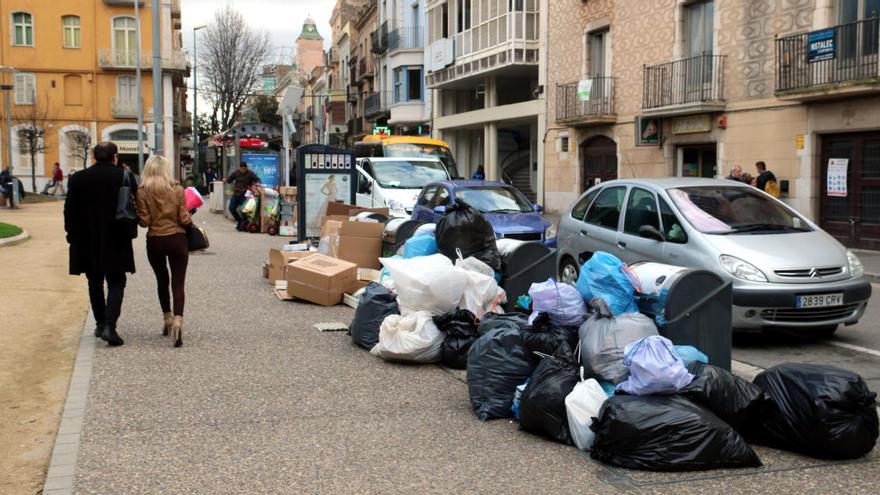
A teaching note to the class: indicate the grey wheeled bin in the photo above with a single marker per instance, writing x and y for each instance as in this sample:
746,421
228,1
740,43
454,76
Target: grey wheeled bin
690,307
397,231
524,264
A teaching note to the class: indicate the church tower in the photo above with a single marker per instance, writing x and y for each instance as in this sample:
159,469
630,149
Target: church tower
309,47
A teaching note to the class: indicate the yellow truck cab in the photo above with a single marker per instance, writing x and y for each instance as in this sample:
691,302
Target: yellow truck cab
384,146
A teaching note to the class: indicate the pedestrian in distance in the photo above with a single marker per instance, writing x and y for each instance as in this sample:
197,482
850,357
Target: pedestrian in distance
100,245
736,174
57,180
162,210
241,180
210,177
479,174
766,180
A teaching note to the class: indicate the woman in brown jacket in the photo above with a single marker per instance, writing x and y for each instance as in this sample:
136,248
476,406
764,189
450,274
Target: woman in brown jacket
162,209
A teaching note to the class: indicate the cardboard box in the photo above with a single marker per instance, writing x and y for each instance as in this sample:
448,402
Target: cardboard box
320,279
351,210
287,191
278,261
358,242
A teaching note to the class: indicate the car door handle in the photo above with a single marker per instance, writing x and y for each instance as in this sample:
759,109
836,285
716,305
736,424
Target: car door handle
583,233
621,244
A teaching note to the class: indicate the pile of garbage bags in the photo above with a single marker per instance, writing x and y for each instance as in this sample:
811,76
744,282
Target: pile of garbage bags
581,366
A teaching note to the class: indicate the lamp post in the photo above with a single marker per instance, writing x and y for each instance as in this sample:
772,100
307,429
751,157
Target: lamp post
137,88
6,88
195,124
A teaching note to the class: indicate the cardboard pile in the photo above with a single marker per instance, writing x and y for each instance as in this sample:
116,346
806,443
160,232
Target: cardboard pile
357,241
287,225
321,279
279,261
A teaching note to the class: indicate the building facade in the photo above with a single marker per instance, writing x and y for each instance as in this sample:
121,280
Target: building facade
74,80
696,88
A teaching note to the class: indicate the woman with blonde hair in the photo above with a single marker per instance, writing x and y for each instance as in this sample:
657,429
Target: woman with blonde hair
162,209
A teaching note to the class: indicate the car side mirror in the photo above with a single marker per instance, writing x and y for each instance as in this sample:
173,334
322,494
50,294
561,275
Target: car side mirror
440,210
537,208
651,232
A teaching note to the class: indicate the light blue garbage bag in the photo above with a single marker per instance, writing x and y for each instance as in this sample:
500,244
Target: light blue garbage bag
385,274
689,354
420,245
517,398
606,277
565,305
654,368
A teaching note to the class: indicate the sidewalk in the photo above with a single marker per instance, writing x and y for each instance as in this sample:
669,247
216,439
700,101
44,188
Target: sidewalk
871,261
257,401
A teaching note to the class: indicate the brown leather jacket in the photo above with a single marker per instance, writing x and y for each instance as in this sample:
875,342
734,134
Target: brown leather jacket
163,214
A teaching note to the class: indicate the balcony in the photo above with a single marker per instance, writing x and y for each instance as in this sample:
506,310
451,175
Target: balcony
310,113
123,108
356,126
175,9
365,70
594,107
379,39
851,68
687,86
377,105
109,59
507,43
408,38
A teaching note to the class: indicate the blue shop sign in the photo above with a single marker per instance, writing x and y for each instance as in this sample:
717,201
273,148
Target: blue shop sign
822,45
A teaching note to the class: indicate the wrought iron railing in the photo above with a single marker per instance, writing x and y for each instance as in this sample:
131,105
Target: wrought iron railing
379,39
596,98
849,53
123,108
697,79
377,103
407,38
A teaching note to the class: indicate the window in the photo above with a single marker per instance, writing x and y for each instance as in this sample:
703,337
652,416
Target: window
605,212
124,41
398,85
73,89
580,208
699,26
427,198
363,184
849,12
672,229
463,7
126,88
563,144
70,27
735,210
22,29
641,209
25,88
442,198
444,20
597,42
414,84
76,149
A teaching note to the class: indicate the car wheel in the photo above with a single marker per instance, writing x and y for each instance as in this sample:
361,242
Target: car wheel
568,271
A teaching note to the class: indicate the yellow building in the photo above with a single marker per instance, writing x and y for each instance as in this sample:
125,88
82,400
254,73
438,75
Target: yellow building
74,77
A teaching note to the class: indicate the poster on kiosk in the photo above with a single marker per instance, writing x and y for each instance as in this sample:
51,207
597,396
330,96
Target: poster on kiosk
325,174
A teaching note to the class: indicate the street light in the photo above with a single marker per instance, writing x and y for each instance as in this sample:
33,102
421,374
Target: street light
195,116
6,88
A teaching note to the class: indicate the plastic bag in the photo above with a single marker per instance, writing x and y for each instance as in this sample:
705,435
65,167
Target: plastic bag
666,433
689,354
511,321
653,368
581,406
460,328
818,410
374,305
426,283
466,229
542,407
734,400
249,206
497,362
412,338
506,247
420,245
562,301
482,294
604,338
545,337
194,199
517,397
605,276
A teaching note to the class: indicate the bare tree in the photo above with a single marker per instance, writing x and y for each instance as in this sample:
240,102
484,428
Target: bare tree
80,145
31,132
234,57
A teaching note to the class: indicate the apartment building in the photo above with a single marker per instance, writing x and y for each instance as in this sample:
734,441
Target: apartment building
695,88
74,79
486,71
363,72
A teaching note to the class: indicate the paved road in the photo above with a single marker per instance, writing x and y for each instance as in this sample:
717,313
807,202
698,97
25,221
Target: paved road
257,401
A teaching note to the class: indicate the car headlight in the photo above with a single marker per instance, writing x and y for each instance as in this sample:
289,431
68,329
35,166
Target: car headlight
856,269
393,204
550,233
740,269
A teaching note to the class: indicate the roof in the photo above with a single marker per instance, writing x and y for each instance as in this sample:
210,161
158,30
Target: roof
454,184
379,159
310,31
670,182
404,139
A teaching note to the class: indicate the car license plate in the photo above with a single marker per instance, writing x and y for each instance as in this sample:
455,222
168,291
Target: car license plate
819,300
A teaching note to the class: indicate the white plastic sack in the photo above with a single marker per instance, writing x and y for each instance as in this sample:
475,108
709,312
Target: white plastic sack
413,338
474,265
654,368
426,283
482,294
581,406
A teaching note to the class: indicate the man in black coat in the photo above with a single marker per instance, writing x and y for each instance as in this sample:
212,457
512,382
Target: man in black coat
100,246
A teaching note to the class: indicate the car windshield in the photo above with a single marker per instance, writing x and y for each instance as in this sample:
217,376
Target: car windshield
735,210
493,199
413,150
406,174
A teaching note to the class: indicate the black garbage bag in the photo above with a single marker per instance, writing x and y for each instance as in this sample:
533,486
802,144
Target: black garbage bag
373,306
666,433
542,406
497,362
734,400
460,328
545,337
464,228
818,410
512,321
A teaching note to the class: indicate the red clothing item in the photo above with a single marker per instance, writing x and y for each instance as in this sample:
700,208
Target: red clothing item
58,175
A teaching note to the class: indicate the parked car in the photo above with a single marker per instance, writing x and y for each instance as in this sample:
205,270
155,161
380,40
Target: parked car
510,213
786,271
395,183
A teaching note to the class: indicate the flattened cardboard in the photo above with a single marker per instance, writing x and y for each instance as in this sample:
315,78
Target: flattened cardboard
351,210
320,279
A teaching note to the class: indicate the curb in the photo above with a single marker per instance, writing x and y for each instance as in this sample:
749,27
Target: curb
60,477
18,239
873,278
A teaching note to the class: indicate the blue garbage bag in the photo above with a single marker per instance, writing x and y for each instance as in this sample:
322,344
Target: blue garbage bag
566,307
689,354
420,245
605,276
517,397
608,388
654,369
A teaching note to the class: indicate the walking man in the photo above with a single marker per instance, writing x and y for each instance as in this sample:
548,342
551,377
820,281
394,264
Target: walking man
100,246
242,179
766,180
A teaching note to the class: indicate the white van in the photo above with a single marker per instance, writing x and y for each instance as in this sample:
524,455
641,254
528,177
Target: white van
395,183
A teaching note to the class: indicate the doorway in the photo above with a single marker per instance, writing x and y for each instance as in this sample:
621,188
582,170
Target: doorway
598,161
854,219
698,161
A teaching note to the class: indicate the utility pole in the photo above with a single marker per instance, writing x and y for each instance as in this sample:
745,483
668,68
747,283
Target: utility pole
137,87
6,88
158,100
195,125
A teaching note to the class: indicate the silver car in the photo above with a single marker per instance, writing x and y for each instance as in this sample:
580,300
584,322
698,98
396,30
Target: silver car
786,271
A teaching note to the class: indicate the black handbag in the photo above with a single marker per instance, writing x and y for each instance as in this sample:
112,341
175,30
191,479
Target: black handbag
126,210
196,239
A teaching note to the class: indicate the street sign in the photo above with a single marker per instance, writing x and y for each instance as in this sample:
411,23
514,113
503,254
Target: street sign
822,45
326,174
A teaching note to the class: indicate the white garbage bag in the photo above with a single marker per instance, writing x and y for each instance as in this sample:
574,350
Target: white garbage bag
581,406
426,283
482,294
412,338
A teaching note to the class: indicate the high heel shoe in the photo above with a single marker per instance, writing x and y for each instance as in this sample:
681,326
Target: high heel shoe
169,320
177,331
